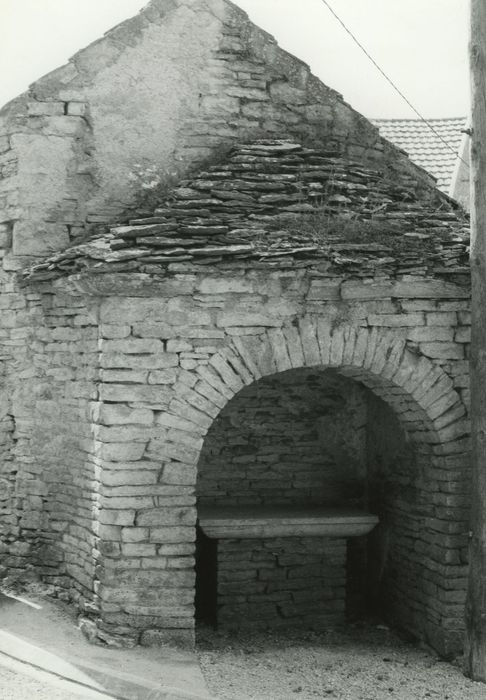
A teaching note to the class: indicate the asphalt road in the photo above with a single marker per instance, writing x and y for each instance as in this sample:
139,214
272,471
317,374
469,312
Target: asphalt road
24,683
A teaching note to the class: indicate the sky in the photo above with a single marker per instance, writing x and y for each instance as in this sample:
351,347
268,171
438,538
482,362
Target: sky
420,44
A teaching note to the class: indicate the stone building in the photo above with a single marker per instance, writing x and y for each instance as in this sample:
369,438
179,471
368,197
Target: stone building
226,299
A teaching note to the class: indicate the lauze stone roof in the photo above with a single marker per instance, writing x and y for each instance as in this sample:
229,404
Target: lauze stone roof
436,150
278,203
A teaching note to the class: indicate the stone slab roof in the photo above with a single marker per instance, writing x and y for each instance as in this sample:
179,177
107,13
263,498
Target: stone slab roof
425,147
276,203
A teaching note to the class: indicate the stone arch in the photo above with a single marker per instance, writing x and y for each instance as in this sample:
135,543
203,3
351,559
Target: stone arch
420,392
423,399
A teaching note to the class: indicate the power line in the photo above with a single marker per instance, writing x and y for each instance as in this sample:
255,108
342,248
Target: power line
395,87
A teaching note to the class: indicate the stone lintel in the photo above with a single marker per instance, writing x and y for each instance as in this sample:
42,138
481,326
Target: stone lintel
257,522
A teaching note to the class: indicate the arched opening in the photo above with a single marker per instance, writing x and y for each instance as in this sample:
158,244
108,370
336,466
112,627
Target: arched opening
412,471
314,440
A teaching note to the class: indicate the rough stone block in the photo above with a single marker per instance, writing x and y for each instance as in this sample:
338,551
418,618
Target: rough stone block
310,345
245,348
235,318
442,318
112,331
187,412
167,517
194,399
396,320
294,346
337,347
122,451
420,288
227,374
225,285
363,291
168,420
124,375
120,414
135,393
324,290
124,477
172,535
178,473
279,348
463,334
179,345
35,109
117,517
163,376
135,346
443,351
162,449
76,109
324,329
210,393
138,549
431,334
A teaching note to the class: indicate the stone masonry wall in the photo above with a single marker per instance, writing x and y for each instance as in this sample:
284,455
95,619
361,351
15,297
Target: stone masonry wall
402,490
295,438
56,481
171,362
296,582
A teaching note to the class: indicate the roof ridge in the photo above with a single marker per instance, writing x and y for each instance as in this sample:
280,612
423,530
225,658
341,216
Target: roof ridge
416,119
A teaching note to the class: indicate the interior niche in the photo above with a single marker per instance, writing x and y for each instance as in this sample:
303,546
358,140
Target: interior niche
305,441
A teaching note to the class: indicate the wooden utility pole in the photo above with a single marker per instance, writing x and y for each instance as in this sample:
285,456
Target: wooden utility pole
475,651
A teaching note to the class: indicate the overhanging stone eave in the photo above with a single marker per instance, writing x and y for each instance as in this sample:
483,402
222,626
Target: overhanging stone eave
444,284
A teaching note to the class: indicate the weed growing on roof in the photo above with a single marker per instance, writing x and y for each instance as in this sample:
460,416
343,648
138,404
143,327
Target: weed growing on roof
323,227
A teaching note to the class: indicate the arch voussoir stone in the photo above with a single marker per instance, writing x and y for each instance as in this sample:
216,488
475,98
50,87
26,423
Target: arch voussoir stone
246,352
221,365
239,367
294,346
350,335
420,392
278,344
209,375
310,345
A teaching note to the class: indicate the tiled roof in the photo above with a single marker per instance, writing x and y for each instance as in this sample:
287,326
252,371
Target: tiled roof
257,205
424,146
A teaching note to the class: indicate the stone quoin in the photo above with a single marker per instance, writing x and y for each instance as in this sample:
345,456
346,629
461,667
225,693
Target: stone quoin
221,288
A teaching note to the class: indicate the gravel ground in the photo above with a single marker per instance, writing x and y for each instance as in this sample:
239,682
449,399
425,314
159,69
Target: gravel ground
360,663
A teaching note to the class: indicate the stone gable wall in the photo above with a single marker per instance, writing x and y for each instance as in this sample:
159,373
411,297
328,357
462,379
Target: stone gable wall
158,95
